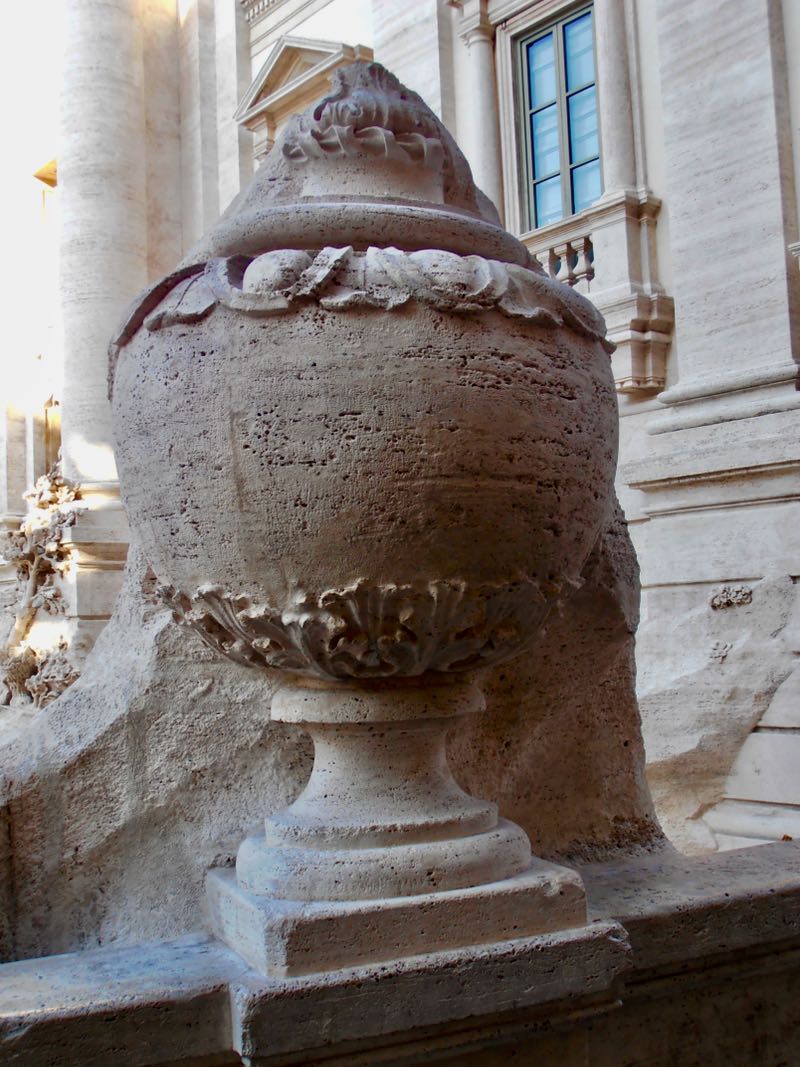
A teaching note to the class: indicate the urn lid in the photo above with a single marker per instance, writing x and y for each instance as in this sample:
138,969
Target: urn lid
368,165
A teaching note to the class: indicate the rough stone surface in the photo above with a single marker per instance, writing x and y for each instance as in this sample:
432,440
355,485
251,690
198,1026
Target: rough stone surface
118,797
404,461
656,986
361,464
723,664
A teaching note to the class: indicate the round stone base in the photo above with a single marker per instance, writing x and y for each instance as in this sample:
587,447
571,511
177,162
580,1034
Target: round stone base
305,874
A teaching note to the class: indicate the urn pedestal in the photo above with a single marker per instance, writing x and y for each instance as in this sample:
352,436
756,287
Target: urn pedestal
365,442
382,854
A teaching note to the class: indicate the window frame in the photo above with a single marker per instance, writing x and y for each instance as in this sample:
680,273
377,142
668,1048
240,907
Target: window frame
524,113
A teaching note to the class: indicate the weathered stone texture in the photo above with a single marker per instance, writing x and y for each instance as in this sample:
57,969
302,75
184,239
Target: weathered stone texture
120,795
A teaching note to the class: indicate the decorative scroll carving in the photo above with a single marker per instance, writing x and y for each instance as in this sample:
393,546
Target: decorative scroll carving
368,631
339,279
731,596
345,141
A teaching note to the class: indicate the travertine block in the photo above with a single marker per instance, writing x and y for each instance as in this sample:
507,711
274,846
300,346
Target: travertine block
285,937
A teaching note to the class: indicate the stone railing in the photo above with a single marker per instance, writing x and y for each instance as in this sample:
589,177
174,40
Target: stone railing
569,261
254,9
565,250
608,253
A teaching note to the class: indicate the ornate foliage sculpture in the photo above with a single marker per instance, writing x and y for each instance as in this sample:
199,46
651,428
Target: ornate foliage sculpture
40,556
369,631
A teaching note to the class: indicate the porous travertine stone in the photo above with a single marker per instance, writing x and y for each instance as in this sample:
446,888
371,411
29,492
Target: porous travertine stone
687,962
362,465
366,441
114,799
117,798
290,937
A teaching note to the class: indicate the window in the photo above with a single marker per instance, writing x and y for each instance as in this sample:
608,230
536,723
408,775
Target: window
559,97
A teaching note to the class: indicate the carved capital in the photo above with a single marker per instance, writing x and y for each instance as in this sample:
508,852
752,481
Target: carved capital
475,22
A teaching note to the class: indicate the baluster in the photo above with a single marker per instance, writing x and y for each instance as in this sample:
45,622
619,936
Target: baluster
584,267
567,256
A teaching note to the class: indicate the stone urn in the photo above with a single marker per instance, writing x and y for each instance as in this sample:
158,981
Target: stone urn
365,442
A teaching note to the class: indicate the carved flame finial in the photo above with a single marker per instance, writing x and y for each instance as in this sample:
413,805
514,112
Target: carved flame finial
369,164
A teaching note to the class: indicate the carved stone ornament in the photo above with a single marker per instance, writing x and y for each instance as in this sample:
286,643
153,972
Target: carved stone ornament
341,279
366,631
731,596
364,440
40,555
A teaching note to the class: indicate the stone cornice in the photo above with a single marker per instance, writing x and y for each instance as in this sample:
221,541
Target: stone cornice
631,203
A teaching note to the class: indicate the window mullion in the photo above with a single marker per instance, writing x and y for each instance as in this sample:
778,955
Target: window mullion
563,126
527,139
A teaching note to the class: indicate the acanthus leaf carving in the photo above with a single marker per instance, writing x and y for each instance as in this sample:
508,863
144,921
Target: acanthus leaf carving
369,631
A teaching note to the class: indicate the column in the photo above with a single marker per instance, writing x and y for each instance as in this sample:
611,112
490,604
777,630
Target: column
101,173
482,143
102,179
614,99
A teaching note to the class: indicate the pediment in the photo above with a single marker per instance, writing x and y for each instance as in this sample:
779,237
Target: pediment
292,69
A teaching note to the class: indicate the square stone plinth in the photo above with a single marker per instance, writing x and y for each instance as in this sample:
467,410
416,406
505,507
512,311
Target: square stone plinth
285,938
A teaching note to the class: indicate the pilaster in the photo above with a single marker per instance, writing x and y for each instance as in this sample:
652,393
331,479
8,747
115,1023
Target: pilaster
482,143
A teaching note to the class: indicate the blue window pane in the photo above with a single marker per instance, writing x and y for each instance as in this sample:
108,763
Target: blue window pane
544,135
579,51
542,71
582,109
548,201
585,185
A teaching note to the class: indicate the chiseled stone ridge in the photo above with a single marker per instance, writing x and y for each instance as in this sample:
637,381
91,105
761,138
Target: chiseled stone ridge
341,279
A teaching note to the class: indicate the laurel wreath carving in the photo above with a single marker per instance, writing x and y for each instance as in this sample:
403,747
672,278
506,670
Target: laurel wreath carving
368,630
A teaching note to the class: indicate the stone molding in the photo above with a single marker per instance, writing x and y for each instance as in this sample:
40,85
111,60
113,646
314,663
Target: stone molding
367,631
257,9
340,279
475,21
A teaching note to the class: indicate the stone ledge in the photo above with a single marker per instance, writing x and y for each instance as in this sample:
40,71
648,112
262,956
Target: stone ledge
191,999
706,923
291,938
680,908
